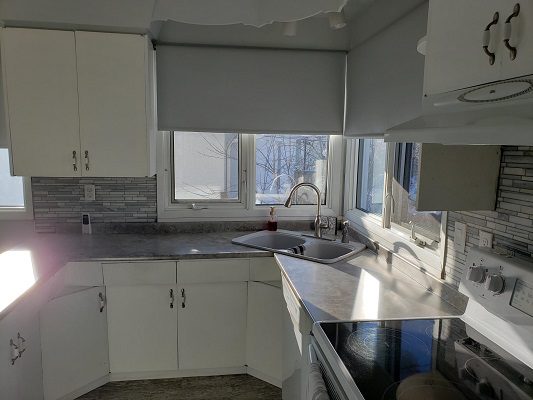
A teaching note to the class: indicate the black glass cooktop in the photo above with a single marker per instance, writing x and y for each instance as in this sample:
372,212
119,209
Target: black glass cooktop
430,359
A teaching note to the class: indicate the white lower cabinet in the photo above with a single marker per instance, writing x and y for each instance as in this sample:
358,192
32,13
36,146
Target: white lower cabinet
142,326
74,344
21,378
264,333
212,325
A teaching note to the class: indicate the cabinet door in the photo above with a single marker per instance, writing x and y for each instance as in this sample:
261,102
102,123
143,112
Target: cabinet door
112,78
74,343
455,58
521,38
39,68
22,379
212,325
142,327
264,331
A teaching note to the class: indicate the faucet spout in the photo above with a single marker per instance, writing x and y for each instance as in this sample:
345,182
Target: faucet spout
318,222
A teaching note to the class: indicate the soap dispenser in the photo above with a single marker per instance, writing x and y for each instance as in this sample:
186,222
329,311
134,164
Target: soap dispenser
272,223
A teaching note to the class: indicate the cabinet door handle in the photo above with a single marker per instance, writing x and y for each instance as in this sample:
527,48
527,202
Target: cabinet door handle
508,30
171,298
86,160
102,301
74,160
183,298
486,38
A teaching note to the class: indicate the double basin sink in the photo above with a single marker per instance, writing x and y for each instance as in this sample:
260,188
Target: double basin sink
301,246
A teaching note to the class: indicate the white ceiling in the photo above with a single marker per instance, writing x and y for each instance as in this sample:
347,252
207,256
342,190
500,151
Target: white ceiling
365,18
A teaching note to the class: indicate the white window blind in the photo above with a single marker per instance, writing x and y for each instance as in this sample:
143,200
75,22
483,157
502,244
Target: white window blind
210,89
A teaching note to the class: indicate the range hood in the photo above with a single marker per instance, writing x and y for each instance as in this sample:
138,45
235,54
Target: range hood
498,113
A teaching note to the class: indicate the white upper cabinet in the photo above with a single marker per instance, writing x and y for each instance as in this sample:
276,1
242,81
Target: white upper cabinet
83,92
112,76
521,37
466,43
40,85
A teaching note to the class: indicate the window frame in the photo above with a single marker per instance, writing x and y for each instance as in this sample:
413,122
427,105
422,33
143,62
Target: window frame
245,209
20,213
382,229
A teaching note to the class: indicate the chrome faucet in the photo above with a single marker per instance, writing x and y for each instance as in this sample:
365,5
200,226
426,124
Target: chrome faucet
318,223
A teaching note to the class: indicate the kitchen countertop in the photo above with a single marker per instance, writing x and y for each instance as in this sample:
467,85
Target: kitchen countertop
25,266
364,287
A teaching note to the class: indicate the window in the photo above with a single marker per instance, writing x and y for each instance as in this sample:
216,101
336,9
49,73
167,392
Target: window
15,191
206,166
404,187
236,176
371,176
282,161
381,191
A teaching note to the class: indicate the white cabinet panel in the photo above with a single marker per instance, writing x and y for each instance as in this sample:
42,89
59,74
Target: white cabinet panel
216,270
140,273
112,81
40,80
264,269
23,379
142,328
521,38
212,325
455,58
74,344
264,331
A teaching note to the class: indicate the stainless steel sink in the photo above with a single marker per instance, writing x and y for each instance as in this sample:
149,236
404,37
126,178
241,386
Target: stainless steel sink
300,246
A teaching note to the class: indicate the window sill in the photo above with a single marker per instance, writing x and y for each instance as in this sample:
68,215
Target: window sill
396,242
9,214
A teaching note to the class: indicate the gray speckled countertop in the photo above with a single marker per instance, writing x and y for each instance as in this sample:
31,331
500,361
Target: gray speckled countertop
50,252
364,287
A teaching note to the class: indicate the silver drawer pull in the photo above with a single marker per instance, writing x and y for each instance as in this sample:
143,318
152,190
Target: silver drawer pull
171,298
86,160
183,298
74,161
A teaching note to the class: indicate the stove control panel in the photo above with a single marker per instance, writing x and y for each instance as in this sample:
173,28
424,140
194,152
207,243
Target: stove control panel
501,284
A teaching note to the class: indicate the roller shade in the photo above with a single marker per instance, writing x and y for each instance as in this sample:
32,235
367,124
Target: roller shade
210,89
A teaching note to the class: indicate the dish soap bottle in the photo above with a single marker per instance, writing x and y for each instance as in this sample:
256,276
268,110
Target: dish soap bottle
272,223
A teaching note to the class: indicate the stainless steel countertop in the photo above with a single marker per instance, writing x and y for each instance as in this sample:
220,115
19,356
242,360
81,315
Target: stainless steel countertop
364,287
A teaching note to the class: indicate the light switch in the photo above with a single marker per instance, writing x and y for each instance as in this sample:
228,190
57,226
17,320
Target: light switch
90,192
459,238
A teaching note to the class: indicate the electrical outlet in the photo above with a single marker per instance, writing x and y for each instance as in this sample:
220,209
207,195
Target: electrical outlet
485,239
90,192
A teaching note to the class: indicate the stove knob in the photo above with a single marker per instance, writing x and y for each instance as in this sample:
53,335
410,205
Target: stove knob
495,283
476,274
484,388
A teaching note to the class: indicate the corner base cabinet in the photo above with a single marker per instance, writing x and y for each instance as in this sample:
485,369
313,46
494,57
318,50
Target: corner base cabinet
74,344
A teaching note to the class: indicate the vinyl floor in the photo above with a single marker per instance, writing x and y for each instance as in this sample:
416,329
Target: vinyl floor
229,387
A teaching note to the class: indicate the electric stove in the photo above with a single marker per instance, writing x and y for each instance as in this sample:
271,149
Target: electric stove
485,354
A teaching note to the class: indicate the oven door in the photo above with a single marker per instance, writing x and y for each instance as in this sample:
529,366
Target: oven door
333,386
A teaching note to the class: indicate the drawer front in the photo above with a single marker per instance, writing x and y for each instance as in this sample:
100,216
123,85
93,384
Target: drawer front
83,274
264,269
140,273
214,270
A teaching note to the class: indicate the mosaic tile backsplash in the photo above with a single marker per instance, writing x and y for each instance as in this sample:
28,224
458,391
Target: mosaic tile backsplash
61,201
512,221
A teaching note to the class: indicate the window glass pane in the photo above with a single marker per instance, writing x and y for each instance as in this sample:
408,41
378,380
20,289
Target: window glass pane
405,186
11,187
206,166
281,161
371,175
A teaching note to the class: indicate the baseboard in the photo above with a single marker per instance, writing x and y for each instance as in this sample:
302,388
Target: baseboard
134,376
264,377
86,389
